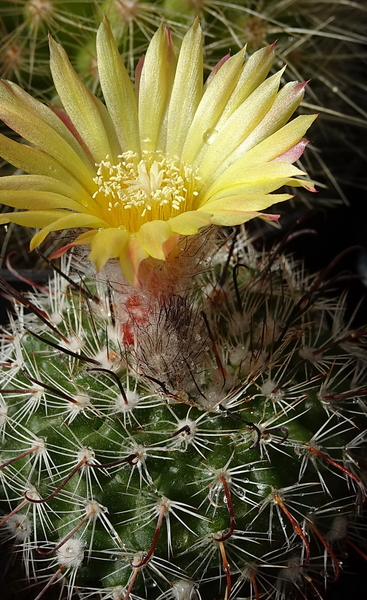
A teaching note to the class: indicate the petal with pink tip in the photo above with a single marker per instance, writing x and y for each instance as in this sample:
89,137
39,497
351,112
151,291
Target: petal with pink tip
236,209
38,192
279,142
268,173
34,161
211,107
81,240
293,153
222,151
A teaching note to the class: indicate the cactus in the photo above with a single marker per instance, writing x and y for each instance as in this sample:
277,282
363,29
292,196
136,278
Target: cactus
200,444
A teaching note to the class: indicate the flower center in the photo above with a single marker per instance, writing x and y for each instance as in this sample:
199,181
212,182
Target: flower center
136,190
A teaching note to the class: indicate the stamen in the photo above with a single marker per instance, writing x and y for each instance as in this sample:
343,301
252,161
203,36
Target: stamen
135,191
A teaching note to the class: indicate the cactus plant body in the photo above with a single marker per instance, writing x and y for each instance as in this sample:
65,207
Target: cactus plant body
204,445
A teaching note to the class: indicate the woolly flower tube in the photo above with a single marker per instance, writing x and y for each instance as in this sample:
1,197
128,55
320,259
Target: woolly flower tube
155,163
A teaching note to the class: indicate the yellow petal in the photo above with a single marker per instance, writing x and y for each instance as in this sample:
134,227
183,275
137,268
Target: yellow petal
130,259
82,240
118,90
220,150
286,102
236,209
34,218
106,244
211,107
153,236
253,74
61,195
187,90
36,123
236,174
279,142
36,200
250,189
155,88
69,221
189,223
31,160
88,115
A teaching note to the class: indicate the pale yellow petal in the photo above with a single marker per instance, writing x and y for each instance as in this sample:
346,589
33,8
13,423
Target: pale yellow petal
41,111
37,200
29,186
211,106
279,142
40,126
69,221
189,223
220,149
36,162
106,244
155,88
117,89
253,74
33,218
187,90
236,174
153,236
131,257
256,188
88,115
286,102
235,210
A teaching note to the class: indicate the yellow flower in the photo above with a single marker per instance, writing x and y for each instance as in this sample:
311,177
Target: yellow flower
155,163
